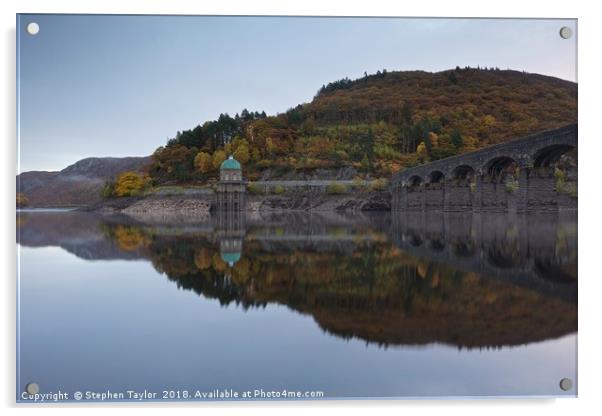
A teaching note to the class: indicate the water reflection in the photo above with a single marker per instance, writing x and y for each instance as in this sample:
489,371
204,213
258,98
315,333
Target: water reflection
471,281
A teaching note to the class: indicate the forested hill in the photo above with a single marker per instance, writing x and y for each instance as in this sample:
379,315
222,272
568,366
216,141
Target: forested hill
377,124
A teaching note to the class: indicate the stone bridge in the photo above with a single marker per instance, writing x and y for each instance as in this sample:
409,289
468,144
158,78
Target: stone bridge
517,175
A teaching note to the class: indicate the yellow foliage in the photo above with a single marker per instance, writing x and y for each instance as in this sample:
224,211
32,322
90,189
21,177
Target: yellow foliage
203,162
129,183
241,271
130,238
421,151
358,183
378,184
470,143
242,154
202,259
218,157
489,120
237,142
434,139
218,264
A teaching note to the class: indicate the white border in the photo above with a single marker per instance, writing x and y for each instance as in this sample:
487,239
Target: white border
590,132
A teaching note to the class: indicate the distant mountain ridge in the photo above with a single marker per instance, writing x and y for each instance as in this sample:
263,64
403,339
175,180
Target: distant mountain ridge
77,184
104,167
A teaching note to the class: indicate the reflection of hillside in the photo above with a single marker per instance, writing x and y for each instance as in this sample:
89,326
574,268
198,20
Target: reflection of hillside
475,313
76,232
380,295
430,286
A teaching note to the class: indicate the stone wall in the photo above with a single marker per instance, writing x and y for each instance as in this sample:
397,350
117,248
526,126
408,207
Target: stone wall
460,197
434,196
495,197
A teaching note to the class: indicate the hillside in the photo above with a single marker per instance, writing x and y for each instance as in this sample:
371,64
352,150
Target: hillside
376,124
369,127
77,184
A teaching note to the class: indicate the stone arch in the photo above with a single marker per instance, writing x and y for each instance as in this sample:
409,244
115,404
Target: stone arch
500,166
436,176
463,172
415,180
548,155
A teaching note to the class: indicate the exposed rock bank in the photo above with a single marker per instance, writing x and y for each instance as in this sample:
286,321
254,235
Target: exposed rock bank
157,208
162,207
169,208
169,205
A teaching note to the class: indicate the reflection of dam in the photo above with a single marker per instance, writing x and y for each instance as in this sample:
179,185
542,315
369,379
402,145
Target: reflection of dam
539,253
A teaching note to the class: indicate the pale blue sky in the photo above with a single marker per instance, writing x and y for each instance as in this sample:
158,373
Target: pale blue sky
121,85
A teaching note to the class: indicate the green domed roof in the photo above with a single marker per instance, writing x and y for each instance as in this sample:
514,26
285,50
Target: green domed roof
231,257
230,164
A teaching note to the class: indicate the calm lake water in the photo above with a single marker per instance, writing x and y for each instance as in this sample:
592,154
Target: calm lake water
352,306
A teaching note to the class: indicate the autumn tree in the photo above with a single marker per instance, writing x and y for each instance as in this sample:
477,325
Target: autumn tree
129,183
242,154
203,162
422,152
130,238
203,259
173,162
218,157
470,143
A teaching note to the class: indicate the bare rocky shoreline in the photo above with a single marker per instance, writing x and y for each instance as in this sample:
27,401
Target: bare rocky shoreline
166,206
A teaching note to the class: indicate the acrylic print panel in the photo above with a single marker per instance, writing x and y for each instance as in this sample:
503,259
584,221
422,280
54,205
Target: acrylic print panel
269,208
